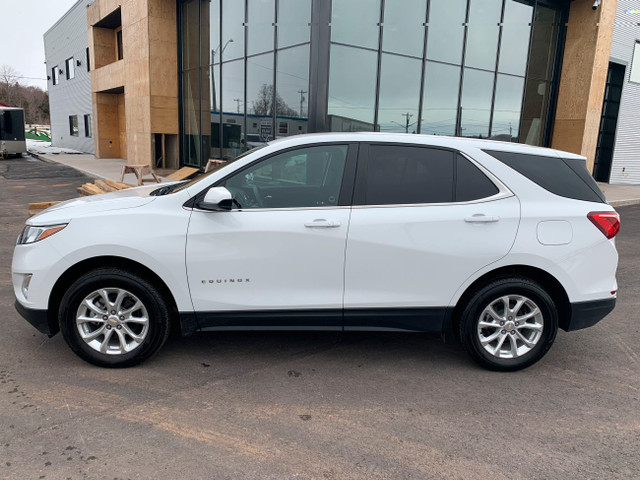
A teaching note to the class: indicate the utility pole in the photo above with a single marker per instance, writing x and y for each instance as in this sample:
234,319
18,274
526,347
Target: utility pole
406,125
237,100
301,92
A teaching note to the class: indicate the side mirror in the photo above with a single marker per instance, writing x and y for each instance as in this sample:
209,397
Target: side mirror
217,199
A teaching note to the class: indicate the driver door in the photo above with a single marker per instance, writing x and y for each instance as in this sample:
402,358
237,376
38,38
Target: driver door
277,258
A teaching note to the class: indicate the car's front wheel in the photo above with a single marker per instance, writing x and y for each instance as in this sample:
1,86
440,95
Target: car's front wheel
509,324
114,318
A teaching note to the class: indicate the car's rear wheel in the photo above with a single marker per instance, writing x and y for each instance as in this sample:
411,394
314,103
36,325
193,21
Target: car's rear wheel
113,318
509,324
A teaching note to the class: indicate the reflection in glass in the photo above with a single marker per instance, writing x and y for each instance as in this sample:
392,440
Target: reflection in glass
190,40
399,93
191,117
482,33
440,104
260,94
515,37
352,88
232,32
446,30
543,43
403,26
507,107
355,22
232,108
292,82
260,16
475,109
534,112
294,17
211,11
214,94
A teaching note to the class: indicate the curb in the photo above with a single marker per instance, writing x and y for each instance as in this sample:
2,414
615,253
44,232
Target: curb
624,203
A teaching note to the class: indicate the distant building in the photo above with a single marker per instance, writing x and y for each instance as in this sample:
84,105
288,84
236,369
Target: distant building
618,153
66,47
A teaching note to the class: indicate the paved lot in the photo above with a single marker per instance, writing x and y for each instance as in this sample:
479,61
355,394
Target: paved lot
313,405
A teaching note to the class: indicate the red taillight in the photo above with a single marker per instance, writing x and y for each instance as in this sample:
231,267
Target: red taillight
607,222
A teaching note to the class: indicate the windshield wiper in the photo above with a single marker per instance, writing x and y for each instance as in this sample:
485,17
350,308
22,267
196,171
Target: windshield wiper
166,189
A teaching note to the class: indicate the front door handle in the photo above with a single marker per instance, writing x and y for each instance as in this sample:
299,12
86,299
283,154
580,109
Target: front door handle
481,218
322,223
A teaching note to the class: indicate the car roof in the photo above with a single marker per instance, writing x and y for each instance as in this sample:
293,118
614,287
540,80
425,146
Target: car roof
460,143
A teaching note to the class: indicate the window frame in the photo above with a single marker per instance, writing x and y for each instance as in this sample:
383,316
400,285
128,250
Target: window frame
71,127
70,73
359,194
635,63
55,75
88,126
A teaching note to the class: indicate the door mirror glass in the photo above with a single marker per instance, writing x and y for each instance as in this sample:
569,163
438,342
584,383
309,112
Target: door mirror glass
217,199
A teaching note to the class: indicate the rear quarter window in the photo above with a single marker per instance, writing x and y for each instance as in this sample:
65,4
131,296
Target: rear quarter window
565,177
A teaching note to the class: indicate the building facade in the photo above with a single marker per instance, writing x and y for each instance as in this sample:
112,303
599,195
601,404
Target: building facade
618,151
176,82
66,49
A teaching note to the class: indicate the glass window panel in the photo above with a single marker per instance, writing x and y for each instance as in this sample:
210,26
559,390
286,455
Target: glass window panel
232,32
191,117
515,37
293,90
307,177
534,111
482,33
352,88
399,94
543,43
294,17
404,26
190,29
260,16
232,108
205,114
214,92
408,175
446,30
471,183
507,108
210,31
477,91
260,94
355,22
440,104
634,75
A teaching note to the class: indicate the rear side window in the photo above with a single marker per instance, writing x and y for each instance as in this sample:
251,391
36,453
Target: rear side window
401,175
471,183
565,177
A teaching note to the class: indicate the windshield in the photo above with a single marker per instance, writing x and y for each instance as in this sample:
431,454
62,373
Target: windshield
182,186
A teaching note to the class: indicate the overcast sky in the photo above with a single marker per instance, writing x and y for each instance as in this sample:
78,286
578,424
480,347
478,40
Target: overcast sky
23,25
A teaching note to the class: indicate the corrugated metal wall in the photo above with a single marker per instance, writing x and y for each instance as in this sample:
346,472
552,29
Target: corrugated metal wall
625,167
68,37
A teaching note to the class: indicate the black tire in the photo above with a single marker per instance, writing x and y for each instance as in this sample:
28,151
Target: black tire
158,325
473,313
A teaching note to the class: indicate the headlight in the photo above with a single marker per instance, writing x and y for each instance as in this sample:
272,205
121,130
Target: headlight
33,234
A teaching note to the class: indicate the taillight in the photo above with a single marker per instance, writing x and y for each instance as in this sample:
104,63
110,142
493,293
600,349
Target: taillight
607,222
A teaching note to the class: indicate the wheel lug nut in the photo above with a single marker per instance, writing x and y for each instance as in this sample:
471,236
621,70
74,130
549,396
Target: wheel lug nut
119,327
113,312
503,332
122,318
517,323
104,317
513,332
510,318
108,327
501,323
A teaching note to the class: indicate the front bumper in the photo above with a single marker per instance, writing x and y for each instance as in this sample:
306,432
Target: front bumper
587,314
38,318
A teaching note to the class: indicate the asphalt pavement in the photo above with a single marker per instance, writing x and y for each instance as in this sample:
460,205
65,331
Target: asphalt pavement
313,405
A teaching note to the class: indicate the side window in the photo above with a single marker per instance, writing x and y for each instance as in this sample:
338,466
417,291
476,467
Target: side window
471,183
400,175
305,177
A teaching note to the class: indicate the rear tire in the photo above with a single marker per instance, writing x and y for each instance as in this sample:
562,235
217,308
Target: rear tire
113,318
509,324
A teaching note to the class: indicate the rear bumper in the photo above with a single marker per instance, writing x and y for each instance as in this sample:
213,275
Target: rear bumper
38,318
587,314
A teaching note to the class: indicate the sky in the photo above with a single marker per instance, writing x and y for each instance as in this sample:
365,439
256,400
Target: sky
26,21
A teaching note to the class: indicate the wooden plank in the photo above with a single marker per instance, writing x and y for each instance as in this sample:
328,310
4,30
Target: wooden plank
92,189
183,173
42,205
116,185
104,187
83,192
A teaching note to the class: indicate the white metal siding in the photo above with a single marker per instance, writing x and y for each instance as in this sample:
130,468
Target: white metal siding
625,166
68,37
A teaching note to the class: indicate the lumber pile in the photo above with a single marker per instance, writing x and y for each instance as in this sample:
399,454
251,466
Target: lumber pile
101,186
183,173
40,206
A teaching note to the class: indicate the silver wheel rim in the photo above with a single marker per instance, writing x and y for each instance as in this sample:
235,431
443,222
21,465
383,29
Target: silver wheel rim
112,321
510,326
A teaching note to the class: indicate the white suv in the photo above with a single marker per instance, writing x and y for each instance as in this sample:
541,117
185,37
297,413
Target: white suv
497,243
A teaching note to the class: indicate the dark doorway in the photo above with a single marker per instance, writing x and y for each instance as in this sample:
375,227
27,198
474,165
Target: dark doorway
608,122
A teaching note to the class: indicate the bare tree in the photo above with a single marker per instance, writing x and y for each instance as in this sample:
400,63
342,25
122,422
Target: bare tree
263,105
34,100
8,78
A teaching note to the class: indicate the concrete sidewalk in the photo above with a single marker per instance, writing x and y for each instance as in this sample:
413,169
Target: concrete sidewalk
617,195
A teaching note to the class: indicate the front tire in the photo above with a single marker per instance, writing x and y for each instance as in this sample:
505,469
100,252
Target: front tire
509,324
114,318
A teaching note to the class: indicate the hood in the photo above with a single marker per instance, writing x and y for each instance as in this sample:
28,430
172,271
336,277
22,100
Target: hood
77,207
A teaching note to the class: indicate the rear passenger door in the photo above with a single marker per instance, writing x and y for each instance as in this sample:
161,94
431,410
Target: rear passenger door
424,220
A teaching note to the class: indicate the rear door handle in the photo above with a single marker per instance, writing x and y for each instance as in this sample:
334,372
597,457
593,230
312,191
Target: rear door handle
322,223
481,218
